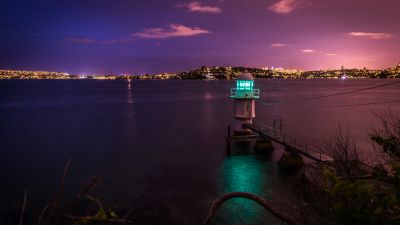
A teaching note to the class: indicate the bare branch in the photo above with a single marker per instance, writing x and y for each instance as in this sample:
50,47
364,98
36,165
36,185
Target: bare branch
54,204
217,203
123,221
83,193
42,213
347,157
21,218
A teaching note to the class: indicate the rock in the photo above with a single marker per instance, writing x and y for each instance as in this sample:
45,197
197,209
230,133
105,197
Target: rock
263,146
290,161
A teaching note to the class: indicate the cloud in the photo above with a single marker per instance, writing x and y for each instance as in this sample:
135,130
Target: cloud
277,45
307,51
91,41
24,32
285,6
175,30
200,8
86,41
370,35
330,54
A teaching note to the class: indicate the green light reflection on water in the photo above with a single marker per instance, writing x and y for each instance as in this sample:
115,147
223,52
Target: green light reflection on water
245,174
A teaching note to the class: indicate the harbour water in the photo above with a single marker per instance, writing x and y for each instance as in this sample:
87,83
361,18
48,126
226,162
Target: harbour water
159,146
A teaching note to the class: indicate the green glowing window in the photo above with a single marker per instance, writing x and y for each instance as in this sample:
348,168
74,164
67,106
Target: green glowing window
244,85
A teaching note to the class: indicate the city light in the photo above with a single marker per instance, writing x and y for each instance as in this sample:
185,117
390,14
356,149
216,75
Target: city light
216,73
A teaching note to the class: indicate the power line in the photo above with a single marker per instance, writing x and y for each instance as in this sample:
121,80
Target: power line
332,95
349,105
352,91
361,104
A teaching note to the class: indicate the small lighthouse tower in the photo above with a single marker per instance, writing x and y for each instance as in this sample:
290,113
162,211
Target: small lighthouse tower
244,95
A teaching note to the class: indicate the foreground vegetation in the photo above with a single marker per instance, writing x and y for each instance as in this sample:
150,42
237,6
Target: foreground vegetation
350,191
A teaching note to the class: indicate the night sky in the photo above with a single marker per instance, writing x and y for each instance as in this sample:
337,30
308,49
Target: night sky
139,36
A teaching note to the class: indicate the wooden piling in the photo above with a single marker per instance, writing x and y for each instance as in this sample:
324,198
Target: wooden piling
228,141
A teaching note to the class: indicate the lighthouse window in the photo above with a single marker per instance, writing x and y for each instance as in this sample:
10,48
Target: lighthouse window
244,85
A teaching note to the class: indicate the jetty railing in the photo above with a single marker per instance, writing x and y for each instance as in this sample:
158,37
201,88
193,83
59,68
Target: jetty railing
307,150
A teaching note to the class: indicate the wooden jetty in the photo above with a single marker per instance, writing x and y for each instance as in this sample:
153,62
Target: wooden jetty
270,133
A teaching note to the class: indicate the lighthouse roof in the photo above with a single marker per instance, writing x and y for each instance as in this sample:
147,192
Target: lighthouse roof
245,76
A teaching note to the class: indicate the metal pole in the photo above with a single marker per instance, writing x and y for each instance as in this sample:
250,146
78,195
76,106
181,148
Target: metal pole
228,141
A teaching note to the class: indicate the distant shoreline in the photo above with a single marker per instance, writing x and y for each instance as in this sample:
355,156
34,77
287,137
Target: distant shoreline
215,73
150,79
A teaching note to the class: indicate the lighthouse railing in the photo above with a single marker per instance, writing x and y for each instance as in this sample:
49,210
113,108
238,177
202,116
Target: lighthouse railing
239,93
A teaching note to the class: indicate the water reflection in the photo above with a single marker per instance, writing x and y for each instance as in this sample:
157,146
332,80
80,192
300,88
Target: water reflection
244,174
130,99
130,112
208,111
208,96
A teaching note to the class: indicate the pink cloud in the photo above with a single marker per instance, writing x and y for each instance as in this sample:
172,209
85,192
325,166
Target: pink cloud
200,8
307,51
175,30
277,45
285,6
370,35
330,54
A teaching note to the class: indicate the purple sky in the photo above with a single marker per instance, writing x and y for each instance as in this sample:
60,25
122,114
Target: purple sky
129,36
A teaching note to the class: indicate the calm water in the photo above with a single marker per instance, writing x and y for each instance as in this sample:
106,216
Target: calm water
159,146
